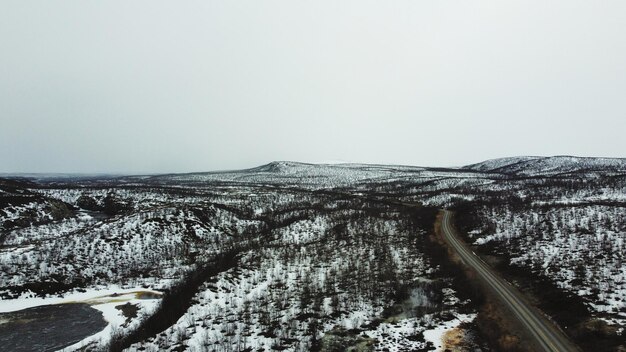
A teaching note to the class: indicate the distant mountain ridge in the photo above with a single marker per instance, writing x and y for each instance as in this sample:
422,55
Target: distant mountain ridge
349,173
547,166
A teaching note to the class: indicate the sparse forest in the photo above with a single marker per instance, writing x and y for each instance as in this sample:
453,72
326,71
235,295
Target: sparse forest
303,257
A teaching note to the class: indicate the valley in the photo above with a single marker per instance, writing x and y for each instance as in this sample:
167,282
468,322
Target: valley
299,257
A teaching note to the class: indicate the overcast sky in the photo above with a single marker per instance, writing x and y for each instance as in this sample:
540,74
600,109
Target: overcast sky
178,86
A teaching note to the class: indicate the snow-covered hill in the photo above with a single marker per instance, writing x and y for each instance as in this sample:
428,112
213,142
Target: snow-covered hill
293,256
550,166
301,174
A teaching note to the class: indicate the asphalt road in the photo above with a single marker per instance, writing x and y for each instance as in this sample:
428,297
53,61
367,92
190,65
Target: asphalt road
547,336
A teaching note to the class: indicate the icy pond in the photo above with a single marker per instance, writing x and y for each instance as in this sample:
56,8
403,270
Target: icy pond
49,327
73,321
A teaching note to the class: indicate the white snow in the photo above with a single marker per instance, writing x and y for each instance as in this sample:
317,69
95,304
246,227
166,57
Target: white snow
115,317
436,335
91,296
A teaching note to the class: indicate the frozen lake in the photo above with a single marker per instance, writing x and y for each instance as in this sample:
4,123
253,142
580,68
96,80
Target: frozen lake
49,327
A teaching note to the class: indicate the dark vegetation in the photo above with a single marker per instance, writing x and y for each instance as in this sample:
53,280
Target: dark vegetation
15,193
175,302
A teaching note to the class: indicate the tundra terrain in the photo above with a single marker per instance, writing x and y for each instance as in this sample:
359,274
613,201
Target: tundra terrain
299,257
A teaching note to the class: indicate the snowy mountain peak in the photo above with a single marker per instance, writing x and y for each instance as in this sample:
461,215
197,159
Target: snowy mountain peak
280,167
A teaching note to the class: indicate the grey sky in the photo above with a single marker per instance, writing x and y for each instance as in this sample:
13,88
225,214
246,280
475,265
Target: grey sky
173,86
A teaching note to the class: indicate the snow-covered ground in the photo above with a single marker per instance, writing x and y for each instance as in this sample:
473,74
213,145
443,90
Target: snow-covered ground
581,249
310,281
93,296
322,258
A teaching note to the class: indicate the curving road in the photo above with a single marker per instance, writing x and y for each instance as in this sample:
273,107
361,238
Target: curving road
546,335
